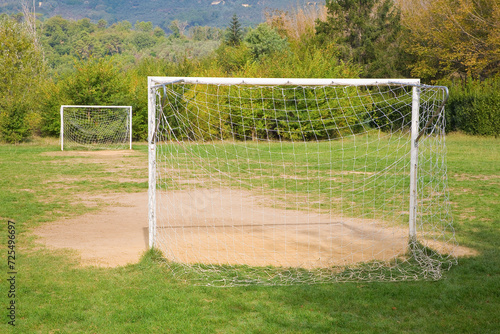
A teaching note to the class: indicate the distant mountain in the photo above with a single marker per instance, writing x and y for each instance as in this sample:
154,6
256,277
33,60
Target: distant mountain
215,13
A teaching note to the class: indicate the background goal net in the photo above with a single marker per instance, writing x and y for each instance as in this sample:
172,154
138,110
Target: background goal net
284,181
96,127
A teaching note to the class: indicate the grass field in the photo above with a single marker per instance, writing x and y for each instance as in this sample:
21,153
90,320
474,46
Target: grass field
56,295
316,171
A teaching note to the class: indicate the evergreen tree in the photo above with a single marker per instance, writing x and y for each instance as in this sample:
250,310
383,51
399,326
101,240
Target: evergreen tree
234,33
366,33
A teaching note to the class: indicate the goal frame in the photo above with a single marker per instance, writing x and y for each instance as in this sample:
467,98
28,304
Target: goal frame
416,129
94,107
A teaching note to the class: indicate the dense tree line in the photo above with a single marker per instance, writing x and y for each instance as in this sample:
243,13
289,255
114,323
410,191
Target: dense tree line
160,12
66,40
448,42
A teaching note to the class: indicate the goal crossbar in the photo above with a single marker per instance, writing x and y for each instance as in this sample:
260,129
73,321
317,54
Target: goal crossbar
159,81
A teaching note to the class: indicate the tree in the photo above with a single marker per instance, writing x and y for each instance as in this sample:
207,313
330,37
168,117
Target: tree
234,34
198,33
142,40
178,28
85,25
56,31
112,43
122,26
95,82
365,32
84,46
102,24
143,26
453,37
264,40
158,32
21,72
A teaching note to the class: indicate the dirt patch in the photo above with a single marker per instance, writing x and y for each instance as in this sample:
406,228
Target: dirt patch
225,226
121,166
107,157
101,153
237,227
115,236
477,177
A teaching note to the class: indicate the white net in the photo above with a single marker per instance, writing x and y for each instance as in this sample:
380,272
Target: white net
288,184
96,127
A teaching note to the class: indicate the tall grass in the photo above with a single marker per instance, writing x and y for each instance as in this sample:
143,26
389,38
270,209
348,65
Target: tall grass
298,23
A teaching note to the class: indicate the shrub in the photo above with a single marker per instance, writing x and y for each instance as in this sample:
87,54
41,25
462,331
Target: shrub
13,126
50,109
264,40
474,107
95,82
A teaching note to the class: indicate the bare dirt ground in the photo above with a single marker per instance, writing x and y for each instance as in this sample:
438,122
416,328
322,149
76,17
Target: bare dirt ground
231,226
236,227
94,156
115,236
228,225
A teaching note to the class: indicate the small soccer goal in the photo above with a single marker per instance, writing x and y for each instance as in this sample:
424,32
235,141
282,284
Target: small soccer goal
96,127
286,181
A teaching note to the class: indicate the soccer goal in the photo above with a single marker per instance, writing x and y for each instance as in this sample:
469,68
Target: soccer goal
284,181
96,127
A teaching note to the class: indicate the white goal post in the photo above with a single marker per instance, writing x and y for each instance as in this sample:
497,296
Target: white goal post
96,127
283,181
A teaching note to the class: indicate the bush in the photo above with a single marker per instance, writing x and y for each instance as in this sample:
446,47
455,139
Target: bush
13,125
264,40
138,91
474,108
50,109
95,82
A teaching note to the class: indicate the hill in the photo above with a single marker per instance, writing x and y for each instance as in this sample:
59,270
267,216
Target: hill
215,13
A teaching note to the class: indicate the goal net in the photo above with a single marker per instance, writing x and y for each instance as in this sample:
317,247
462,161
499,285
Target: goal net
96,127
284,181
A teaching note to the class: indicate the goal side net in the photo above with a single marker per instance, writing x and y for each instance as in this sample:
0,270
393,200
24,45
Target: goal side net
285,181
96,127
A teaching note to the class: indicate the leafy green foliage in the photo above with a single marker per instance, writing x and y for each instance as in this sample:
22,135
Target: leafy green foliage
177,28
474,107
452,38
231,60
264,41
138,89
95,82
365,32
144,26
347,39
205,33
21,72
160,13
65,40
13,125
51,101
143,40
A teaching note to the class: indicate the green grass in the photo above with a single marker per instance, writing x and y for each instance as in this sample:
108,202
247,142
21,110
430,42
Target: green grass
353,169
55,295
